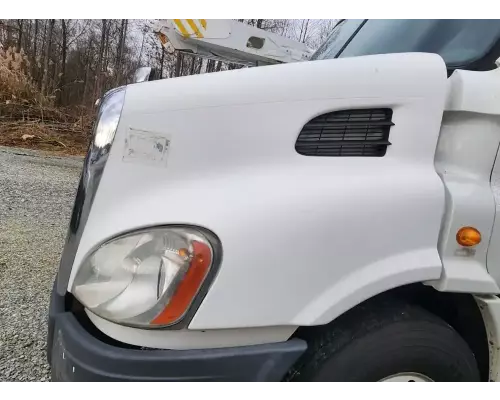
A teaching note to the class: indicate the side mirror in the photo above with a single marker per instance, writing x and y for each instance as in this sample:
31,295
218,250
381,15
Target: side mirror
144,74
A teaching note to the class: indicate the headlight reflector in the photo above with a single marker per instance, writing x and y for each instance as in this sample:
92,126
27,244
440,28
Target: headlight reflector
146,278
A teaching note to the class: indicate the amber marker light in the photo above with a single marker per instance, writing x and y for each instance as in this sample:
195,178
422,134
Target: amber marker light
468,236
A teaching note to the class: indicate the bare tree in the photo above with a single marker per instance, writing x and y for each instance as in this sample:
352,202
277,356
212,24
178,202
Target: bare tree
178,64
9,34
87,75
162,62
27,38
64,50
303,30
144,30
20,23
98,78
46,58
191,68
119,55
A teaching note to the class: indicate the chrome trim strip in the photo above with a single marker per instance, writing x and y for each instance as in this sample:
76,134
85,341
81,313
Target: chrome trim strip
93,167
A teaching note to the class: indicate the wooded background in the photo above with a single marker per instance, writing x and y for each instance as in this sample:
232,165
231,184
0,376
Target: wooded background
52,71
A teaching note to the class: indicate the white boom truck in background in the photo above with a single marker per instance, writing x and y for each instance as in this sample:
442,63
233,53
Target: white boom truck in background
229,41
323,220
224,40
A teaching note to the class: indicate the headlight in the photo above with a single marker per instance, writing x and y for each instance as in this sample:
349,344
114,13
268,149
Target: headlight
147,278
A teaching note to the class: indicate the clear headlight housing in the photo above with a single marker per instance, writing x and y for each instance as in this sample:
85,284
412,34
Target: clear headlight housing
148,278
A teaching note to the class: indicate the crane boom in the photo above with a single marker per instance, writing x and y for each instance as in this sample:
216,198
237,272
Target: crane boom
229,41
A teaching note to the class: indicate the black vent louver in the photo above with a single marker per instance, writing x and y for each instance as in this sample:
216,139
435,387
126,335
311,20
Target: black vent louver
349,133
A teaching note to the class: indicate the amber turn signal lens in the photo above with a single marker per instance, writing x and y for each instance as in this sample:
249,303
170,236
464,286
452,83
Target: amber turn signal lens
189,286
468,236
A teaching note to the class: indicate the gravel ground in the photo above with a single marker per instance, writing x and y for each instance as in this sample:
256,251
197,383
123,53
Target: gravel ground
36,197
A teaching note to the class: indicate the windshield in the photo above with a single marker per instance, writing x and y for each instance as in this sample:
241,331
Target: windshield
458,42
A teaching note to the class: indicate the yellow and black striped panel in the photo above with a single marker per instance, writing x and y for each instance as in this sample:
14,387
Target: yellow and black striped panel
191,27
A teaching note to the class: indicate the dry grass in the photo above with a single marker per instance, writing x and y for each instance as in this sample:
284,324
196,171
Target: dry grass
15,82
29,119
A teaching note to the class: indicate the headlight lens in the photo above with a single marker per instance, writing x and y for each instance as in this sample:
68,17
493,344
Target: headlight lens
147,278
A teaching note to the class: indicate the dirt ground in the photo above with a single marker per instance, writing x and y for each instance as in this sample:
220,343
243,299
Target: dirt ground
45,138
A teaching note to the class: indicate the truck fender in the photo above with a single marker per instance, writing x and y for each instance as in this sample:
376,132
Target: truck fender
376,278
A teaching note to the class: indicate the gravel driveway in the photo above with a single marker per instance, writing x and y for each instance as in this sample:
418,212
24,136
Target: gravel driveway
36,197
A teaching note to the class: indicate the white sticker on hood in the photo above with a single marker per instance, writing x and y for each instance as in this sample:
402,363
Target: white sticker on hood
146,147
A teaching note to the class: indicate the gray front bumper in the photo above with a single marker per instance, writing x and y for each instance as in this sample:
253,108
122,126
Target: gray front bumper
76,355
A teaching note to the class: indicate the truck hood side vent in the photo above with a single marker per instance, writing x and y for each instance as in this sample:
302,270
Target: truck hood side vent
347,133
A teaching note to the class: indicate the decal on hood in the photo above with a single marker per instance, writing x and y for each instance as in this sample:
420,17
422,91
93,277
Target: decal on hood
145,147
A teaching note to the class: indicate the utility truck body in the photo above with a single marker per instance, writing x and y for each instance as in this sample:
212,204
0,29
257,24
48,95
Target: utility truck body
228,40
332,219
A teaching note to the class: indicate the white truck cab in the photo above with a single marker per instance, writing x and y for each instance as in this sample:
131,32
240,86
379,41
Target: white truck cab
323,220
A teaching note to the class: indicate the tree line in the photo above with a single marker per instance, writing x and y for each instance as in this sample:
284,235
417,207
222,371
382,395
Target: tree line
74,62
